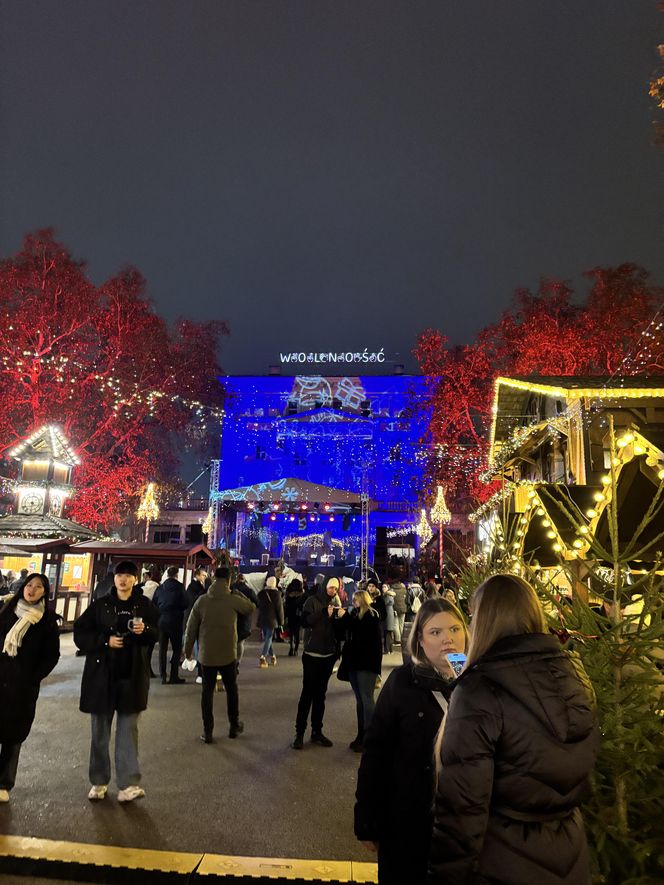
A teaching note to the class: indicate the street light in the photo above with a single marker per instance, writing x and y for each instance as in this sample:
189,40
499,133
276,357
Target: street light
148,509
440,513
423,529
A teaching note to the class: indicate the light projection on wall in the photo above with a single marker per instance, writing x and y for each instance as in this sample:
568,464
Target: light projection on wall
313,440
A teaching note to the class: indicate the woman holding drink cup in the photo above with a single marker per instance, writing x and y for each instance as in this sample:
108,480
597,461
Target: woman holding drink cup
115,633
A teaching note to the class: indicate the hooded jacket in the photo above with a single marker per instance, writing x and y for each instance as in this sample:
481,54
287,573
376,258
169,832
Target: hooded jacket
519,745
213,621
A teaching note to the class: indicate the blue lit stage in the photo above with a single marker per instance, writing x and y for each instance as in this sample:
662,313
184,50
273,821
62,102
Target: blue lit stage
296,455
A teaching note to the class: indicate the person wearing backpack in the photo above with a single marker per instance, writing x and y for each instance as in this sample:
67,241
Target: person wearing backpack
415,598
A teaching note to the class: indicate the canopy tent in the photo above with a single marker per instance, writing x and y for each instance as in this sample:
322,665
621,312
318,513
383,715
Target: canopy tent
287,492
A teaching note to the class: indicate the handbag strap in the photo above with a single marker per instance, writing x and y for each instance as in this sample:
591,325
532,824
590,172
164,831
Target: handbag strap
442,700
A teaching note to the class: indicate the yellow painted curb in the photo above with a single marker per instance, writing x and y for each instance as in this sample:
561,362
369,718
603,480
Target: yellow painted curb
98,855
275,868
45,851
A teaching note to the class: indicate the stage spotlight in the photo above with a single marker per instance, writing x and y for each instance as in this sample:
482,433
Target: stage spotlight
276,505
326,507
250,505
331,519
312,518
304,506
273,517
291,518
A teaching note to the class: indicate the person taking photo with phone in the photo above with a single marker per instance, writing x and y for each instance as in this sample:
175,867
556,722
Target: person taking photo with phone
115,633
395,782
515,753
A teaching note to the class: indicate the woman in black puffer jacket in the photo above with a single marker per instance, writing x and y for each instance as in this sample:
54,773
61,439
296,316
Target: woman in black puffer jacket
516,752
395,783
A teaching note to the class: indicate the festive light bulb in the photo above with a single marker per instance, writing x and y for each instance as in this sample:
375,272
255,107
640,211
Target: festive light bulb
148,508
440,512
423,529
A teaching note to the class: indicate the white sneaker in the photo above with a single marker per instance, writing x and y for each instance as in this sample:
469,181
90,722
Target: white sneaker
97,792
131,793
199,680
4,795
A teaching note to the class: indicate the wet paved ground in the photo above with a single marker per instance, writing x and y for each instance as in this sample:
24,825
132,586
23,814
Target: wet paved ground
251,796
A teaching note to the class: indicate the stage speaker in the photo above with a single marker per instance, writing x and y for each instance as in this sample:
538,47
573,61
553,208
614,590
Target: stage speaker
346,522
380,550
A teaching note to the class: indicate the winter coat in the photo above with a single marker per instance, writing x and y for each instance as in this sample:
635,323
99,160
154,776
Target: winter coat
293,605
193,591
390,622
519,745
171,600
149,588
399,590
103,687
270,609
321,632
415,591
213,621
244,621
363,649
395,782
379,604
20,677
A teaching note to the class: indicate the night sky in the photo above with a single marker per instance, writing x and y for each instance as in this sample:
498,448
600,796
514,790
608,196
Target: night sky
333,175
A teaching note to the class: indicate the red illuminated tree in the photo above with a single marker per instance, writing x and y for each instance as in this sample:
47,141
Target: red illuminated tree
129,391
543,333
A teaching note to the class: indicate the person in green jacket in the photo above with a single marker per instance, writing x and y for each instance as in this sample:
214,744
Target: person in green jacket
213,622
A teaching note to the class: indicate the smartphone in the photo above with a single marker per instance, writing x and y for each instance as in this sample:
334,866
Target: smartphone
456,662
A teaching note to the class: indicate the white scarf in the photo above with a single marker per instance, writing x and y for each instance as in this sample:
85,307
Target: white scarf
27,615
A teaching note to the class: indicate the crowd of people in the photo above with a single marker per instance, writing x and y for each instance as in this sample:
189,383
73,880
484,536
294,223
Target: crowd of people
471,778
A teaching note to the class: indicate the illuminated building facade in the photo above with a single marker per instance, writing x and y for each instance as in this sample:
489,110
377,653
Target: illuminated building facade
297,454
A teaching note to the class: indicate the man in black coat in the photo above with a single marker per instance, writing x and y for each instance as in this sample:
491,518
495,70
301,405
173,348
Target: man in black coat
197,587
171,600
114,633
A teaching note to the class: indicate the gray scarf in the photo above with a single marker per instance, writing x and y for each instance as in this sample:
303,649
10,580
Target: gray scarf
27,616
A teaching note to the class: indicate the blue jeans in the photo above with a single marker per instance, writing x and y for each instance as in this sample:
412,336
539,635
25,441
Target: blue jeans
127,771
363,684
268,633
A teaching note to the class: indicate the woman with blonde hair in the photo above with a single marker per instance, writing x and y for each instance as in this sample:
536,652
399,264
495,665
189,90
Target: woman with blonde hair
516,752
361,660
395,785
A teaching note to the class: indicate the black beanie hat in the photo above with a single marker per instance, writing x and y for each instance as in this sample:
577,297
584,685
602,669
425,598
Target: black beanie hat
126,568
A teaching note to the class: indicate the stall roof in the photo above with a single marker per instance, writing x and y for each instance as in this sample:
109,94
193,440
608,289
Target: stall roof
140,549
6,550
44,526
34,545
287,491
